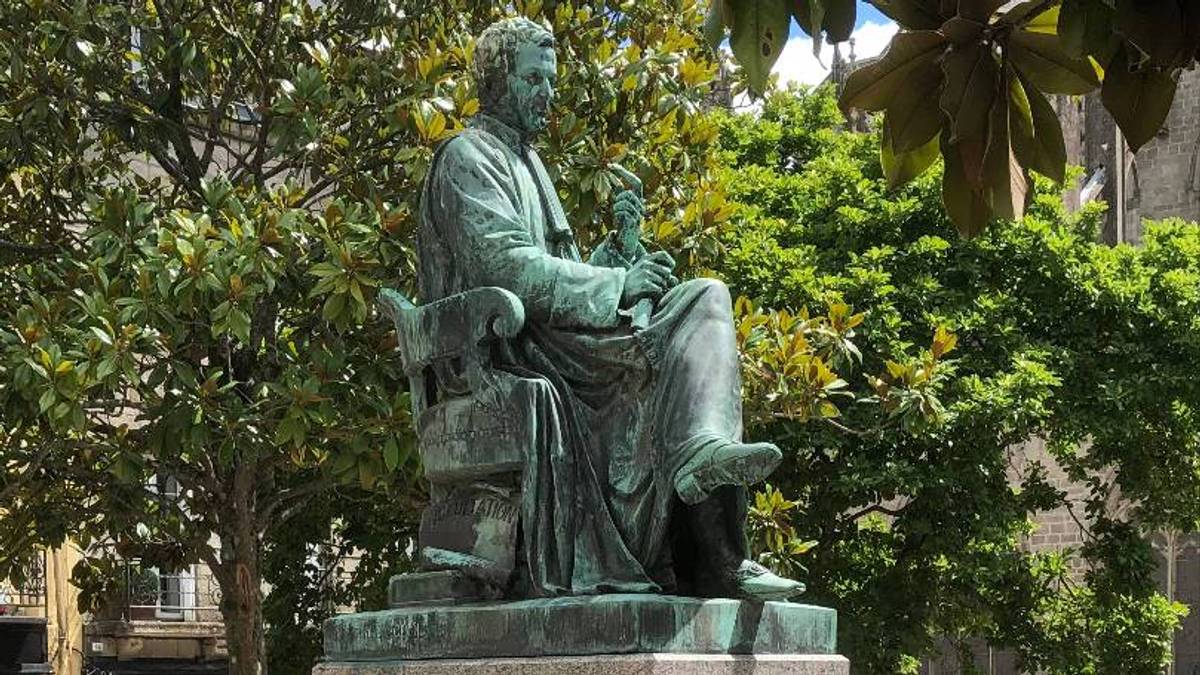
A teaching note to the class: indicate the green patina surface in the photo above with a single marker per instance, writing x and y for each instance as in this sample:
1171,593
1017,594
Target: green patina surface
444,587
574,626
579,421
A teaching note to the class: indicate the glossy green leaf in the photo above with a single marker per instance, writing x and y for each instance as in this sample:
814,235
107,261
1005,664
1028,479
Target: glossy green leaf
963,199
913,116
839,19
1041,59
901,167
1139,98
971,81
872,87
760,30
1037,136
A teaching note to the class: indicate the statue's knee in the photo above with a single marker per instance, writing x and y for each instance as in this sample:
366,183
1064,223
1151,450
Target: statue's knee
714,294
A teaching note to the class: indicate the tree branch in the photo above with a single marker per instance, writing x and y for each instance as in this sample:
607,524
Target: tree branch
876,508
270,506
9,490
26,249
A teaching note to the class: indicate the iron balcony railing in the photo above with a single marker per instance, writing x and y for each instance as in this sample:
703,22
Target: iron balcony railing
26,589
188,595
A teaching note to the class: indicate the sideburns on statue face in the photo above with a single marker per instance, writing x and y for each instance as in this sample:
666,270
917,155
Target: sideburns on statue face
531,84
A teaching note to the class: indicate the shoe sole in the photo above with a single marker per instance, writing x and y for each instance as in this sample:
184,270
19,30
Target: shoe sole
691,491
774,596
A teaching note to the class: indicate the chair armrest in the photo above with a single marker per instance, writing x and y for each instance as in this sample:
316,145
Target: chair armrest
451,327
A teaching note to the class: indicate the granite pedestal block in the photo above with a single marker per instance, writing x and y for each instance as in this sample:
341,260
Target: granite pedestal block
616,634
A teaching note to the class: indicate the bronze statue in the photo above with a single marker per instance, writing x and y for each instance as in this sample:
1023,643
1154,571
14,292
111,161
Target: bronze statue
580,422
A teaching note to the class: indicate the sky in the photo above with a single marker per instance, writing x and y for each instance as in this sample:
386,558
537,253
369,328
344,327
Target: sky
872,33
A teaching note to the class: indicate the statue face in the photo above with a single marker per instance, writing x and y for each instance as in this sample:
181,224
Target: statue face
531,87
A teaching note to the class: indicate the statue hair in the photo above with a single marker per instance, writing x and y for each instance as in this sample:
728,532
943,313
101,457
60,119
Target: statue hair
496,53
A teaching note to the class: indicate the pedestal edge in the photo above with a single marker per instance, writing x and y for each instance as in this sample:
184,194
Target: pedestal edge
611,664
632,624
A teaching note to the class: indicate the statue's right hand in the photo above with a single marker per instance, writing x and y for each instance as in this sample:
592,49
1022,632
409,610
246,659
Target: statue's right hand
649,277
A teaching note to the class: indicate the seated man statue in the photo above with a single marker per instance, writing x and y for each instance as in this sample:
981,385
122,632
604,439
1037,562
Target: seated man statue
637,479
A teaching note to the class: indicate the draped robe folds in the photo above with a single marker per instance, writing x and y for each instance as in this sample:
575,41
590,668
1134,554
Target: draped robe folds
624,409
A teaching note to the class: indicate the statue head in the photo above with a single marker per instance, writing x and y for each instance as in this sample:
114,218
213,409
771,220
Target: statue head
516,72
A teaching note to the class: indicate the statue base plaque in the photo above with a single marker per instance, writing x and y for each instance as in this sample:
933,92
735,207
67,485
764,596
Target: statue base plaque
609,634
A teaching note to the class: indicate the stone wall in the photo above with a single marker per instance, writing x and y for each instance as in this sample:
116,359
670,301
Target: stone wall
1160,181
1164,179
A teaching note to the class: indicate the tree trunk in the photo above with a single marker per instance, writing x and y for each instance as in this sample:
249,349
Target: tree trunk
241,584
241,608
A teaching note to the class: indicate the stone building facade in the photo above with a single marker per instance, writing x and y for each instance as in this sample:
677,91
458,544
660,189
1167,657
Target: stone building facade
1161,180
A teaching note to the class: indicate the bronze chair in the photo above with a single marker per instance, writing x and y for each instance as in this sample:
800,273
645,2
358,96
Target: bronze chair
473,427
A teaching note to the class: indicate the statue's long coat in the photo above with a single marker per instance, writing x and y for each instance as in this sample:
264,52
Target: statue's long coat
624,410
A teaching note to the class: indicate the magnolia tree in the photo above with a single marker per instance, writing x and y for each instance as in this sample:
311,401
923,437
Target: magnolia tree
201,201
968,79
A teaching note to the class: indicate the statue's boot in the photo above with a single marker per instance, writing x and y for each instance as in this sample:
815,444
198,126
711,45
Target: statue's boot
759,583
717,527
719,463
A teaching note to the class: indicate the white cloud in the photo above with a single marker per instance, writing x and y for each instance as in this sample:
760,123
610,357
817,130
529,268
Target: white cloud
797,63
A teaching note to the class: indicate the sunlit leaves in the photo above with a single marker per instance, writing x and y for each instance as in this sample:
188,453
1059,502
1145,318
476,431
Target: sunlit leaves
918,507
908,389
944,342
430,123
790,360
773,535
240,184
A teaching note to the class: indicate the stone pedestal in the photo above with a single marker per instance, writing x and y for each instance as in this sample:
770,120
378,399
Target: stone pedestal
627,664
603,634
